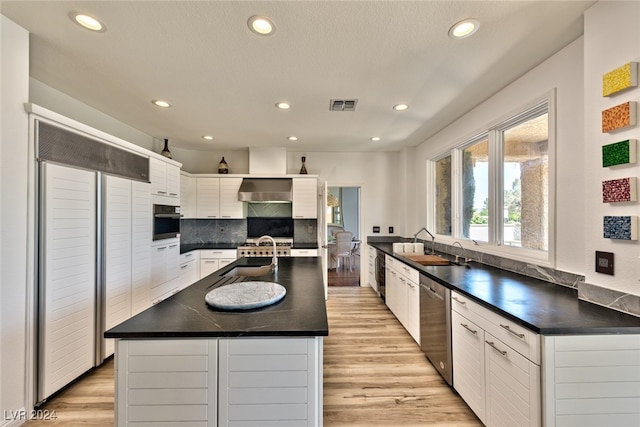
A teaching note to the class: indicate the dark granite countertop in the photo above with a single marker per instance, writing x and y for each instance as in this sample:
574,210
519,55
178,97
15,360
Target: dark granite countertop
302,312
543,307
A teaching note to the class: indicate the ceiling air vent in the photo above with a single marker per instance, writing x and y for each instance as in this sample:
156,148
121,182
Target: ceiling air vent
343,104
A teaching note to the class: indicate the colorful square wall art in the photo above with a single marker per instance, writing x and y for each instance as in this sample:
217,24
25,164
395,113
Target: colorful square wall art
619,117
620,227
619,79
619,153
619,190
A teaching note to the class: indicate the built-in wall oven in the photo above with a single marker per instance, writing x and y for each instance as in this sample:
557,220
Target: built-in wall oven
166,222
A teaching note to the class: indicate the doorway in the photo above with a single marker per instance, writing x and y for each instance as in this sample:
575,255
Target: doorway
343,221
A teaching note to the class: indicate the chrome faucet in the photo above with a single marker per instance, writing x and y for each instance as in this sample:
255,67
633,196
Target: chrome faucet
464,252
274,261
433,239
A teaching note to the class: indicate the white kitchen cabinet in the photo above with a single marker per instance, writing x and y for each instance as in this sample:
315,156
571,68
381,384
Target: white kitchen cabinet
218,198
496,365
208,197
304,252
141,237
188,199
189,269
468,362
403,296
230,206
117,254
165,182
270,381
212,260
305,198
165,270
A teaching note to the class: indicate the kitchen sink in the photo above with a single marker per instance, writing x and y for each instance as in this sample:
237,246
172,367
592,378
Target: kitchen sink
249,271
427,259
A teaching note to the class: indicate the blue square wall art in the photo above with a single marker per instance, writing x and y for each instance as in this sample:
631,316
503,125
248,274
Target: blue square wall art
620,227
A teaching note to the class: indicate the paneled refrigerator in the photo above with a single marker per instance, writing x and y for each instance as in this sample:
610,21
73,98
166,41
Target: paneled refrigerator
94,235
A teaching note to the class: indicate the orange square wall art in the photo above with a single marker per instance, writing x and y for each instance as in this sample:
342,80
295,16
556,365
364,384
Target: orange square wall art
618,117
620,79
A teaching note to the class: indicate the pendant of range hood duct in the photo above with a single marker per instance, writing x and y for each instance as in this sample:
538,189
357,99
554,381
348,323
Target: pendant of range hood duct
266,190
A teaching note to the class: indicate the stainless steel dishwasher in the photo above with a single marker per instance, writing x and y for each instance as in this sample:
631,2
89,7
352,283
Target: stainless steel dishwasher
435,326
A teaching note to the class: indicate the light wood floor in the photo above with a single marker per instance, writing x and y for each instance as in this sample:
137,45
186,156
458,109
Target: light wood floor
374,375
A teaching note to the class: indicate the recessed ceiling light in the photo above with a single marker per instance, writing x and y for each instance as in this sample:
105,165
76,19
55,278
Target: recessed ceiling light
400,107
88,22
292,138
283,105
375,138
464,28
208,137
261,25
161,103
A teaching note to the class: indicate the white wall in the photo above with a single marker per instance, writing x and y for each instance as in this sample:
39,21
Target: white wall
376,173
14,166
564,72
612,38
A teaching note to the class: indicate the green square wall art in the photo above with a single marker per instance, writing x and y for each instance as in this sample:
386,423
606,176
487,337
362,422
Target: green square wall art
619,153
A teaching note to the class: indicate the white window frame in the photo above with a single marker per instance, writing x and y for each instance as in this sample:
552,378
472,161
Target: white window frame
493,133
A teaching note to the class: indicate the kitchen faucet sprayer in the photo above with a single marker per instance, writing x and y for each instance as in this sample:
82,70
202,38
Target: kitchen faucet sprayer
464,252
433,239
274,261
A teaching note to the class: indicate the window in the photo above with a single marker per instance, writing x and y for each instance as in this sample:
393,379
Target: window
525,165
443,196
494,188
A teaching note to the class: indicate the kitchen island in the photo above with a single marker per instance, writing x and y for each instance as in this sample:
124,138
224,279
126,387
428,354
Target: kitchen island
181,362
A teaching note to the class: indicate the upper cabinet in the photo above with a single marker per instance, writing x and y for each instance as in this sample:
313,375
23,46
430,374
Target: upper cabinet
305,198
188,200
165,182
218,198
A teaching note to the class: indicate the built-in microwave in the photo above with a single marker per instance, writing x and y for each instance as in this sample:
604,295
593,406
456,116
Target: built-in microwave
166,222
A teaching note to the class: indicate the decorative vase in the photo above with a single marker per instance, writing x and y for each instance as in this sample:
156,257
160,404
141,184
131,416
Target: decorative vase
223,167
303,169
165,151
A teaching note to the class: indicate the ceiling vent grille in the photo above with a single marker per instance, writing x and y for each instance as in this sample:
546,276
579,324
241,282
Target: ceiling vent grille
342,104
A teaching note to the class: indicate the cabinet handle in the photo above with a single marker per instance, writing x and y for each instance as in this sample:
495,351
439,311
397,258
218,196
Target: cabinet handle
183,266
173,246
493,346
161,249
189,254
209,261
212,216
521,336
173,194
464,325
402,279
458,301
162,192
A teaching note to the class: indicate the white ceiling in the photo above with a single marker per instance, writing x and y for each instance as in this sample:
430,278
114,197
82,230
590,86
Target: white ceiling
224,80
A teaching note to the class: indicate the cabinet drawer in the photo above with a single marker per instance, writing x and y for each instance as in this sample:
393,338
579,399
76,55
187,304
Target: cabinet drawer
188,256
217,253
521,339
403,269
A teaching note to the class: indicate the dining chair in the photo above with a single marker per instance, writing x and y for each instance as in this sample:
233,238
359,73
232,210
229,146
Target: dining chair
343,248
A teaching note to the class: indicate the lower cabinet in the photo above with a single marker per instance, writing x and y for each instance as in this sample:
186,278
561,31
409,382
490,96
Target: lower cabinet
270,381
501,385
212,260
403,295
189,269
165,270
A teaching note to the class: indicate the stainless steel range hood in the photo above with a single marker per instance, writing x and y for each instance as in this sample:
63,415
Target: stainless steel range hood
265,190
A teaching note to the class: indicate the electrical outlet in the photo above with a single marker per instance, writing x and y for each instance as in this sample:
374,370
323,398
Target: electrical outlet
391,230
310,229
376,229
222,229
